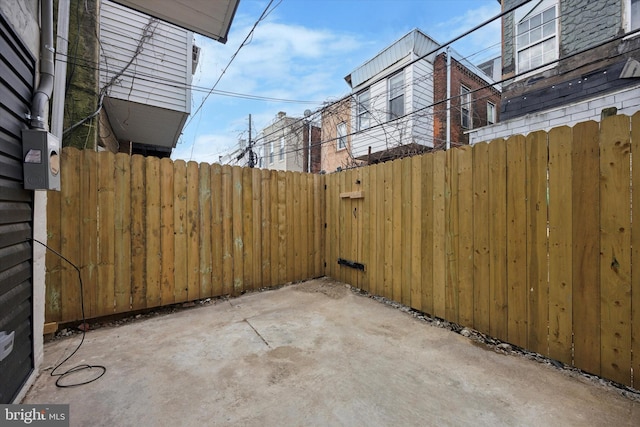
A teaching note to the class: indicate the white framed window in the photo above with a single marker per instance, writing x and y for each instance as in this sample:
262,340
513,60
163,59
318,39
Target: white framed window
281,156
537,39
271,152
341,133
632,15
363,112
396,96
465,108
491,113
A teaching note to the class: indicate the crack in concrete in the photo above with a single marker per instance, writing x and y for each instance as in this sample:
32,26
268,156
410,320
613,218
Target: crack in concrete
257,333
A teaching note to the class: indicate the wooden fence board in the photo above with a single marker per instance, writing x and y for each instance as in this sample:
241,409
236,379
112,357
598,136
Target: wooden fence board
635,255
516,242
465,235
387,284
106,234
297,242
415,234
256,185
439,254
204,229
406,229
265,206
180,238
481,239
615,254
237,253
452,233
289,224
88,229
70,241
227,231
538,303
396,237
560,232
427,234
319,221
275,227
53,263
193,237
498,314
247,229
217,234
167,227
153,258
585,222
282,229
138,237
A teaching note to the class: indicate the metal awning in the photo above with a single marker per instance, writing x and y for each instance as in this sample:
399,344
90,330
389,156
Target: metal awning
211,18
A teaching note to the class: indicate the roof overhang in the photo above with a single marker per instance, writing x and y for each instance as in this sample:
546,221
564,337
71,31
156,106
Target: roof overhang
211,18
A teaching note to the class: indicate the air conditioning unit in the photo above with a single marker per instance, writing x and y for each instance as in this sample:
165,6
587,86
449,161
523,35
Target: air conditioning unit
195,58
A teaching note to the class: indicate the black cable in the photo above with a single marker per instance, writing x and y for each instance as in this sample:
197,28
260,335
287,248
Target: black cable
77,368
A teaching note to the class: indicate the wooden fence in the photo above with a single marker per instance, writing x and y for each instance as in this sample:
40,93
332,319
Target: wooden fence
529,240
147,232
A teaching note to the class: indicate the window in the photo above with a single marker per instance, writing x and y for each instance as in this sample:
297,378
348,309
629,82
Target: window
363,113
281,157
271,152
465,108
537,41
341,132
491,113
396,96
633,14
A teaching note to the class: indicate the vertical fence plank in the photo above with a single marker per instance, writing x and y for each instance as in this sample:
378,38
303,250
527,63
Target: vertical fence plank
181,241
153,258
366,230
376,188
415,234
247,229
465,239
290,225
451,235
396,237
560,276
275,227
481,240
227,231
387,284
405,228
498,244
167,227
70,241
538,312
319,200
237,253
256,185
282,228
585,212
217,239
106,234
516,242
122,237
439,218
193,237
296,222
138,239
53,263
266,201
615,243
427,233
344,234
204,227
635,256
89,228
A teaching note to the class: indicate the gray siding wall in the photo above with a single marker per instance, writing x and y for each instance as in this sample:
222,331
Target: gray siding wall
586,23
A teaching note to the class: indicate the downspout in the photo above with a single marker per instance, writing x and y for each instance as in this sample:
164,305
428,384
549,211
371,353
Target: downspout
37,116
448,145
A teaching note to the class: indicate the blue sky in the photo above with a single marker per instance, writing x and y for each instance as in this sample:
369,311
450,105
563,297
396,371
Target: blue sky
303,50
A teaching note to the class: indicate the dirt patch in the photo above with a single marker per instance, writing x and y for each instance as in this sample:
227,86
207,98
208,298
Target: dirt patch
324,286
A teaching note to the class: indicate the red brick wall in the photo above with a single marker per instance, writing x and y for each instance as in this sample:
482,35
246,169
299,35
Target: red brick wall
460,76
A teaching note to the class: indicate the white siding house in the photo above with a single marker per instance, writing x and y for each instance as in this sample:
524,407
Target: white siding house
145,75
392,97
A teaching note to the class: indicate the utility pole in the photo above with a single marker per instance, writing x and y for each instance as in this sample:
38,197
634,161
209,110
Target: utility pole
252,159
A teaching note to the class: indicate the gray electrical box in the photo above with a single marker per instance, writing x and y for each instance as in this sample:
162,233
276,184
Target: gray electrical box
41,160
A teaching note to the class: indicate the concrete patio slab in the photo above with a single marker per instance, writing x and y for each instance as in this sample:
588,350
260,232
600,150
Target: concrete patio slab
314,354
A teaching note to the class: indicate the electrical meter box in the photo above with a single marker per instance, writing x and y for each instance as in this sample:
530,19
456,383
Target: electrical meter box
41,160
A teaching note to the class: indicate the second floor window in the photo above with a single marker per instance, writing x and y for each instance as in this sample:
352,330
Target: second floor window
281,157
396,96
465,108
341,132
363,114
271,152
491,113
536,40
